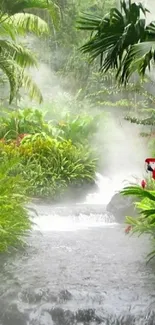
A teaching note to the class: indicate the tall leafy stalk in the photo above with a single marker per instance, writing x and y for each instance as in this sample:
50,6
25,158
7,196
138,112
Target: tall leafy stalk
14,219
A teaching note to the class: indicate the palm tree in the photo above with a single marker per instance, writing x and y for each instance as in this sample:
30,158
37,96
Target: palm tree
121,39
18,18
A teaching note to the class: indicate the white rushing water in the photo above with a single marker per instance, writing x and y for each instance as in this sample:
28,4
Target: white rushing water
54,222
107,187
89,214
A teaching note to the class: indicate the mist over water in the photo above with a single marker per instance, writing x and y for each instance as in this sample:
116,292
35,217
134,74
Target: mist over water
124,151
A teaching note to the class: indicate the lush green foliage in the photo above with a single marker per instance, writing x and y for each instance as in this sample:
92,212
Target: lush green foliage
14,219
145,221
54,155
121,39
75,70
79,128
16,122
51,166
63,125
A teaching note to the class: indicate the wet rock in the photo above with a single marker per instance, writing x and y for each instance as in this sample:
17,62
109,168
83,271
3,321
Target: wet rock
65,295
69,318
57,315
62,317
121,206
87,316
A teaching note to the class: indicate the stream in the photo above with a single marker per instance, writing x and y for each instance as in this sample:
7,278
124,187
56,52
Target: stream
79,268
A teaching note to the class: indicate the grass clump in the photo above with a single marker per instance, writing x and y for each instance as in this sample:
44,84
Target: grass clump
14,219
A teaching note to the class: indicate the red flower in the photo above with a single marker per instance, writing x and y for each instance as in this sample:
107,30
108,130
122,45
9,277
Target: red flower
143,183
128,229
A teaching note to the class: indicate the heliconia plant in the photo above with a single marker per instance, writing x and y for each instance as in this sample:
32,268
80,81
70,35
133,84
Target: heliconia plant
144,223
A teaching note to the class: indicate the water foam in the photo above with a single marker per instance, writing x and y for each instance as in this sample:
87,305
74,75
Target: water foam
72,223
74,218
108,187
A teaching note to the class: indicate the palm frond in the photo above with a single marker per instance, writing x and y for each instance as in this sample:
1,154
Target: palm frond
139,58
31,87
105,41
25,22
8,68
133,10
18,78
113,38
13,7
14,58
89,22
7,30
19,6
21,55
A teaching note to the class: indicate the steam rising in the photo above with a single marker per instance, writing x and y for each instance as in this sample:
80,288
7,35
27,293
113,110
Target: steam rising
123,151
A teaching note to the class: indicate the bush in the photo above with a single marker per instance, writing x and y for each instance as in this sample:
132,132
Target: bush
22,121
60,124
14,219
51,166
54,155
79,128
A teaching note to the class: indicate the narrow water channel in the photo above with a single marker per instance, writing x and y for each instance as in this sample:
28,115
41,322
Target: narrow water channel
78,269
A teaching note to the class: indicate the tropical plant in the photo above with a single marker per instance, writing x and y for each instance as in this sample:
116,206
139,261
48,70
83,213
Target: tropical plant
17,19
80,128
121,39
145,221
14,219
16,122
51,166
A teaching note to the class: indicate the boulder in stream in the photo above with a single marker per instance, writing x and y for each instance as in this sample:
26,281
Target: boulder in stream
121,206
